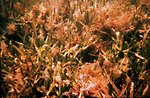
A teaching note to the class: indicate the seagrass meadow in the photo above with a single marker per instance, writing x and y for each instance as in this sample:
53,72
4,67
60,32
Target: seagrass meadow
75,48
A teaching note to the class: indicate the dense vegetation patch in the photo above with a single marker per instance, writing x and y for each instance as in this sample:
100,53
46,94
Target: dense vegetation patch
75,48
